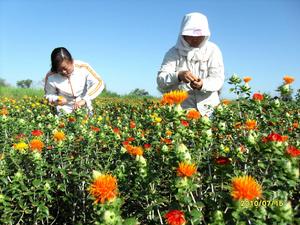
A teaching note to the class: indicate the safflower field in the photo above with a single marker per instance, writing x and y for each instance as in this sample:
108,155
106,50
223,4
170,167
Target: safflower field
150,162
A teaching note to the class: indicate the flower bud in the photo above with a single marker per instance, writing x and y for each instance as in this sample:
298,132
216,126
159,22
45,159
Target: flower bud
109,217
222,126
205,120
96,174
181,148
164,148
141,160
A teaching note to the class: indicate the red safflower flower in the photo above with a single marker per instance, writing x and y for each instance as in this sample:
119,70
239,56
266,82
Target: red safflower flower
132,124
222,160
258,97
116,130
175,217
96,129
130,139
293,151
20,136
146,146
72,119
37,133
184,123
274,137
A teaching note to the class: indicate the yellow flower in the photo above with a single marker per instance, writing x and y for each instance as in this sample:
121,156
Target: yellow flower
245,187
21,146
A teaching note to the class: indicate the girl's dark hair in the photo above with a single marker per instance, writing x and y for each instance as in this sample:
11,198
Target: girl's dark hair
58,55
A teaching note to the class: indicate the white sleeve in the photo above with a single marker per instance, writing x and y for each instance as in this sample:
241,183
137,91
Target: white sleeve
50,90
215,78
167,77
95,85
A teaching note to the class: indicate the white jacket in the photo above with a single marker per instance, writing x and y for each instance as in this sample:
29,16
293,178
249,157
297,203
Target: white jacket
205,62
84,83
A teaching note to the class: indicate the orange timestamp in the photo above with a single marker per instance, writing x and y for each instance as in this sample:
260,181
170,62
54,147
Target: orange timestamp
261,203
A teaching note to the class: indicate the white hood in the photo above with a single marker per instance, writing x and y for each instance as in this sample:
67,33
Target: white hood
193,24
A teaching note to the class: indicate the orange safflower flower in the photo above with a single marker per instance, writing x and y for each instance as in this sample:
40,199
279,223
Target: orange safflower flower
174,97
186,169
104,188
250,124
132,124
245,187
134,150
168,133
36,144
258,97
168,141
288,79
296,125
247,79
226,101
193,114
175,217
59,136
72,119
4,111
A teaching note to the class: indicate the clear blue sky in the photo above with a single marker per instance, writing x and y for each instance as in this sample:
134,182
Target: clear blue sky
125,40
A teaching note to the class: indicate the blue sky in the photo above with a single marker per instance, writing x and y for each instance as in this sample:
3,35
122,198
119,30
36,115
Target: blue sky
125,40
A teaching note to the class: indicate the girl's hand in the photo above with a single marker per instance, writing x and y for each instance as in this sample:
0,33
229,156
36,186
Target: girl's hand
79,104
186,77
197,84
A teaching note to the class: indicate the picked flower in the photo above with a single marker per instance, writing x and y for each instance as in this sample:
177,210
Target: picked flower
245,187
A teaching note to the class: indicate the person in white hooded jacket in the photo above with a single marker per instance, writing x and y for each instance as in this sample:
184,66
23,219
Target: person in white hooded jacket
194,64
71,84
